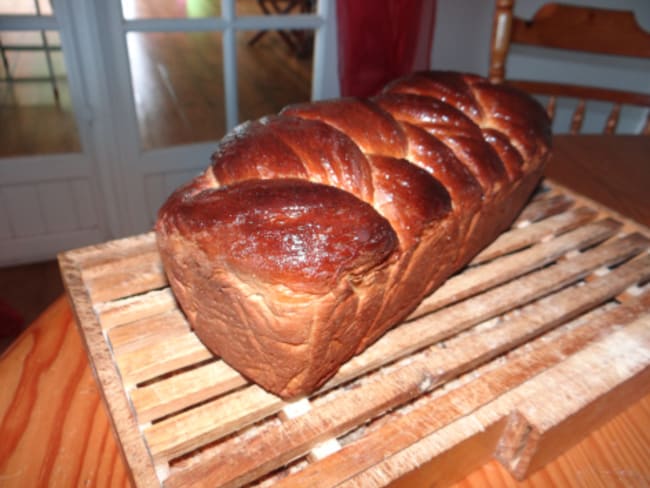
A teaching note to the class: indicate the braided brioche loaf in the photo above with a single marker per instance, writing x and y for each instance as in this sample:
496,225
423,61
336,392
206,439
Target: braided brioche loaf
316,230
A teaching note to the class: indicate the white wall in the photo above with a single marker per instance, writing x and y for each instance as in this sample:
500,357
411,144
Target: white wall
462,42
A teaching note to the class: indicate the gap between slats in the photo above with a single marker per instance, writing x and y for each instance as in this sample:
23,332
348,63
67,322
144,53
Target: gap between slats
543,208
184,389
520,238
511,266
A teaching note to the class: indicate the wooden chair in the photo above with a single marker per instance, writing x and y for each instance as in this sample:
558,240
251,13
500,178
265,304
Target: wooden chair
298,41
574,28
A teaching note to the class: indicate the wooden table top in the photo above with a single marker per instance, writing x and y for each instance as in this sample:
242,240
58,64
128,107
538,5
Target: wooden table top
612,170
54,428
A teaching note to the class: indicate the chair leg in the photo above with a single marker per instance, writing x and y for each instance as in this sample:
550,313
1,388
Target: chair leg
5,62
279,10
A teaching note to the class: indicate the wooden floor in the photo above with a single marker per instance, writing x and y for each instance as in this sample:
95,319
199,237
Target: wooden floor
177,81
26,291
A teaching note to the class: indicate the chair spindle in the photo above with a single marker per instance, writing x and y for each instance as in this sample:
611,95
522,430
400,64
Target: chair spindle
582,29
550,107
612,120
578,117
501,32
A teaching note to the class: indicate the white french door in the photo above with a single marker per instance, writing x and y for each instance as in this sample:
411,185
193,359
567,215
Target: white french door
190,65
51,195
140,92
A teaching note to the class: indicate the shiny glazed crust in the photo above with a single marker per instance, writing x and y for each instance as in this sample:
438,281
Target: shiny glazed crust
316,230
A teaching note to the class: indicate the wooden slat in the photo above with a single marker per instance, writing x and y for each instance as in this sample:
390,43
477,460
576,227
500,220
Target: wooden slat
162,357
540,209
520,238
418,334
130,309
184,389
482,277
136,260
192,429
110,252
139,333
126,277
276,444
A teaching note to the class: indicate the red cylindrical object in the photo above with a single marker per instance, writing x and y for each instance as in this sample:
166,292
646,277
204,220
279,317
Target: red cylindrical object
380,40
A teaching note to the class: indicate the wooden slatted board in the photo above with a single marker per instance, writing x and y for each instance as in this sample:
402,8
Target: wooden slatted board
520,351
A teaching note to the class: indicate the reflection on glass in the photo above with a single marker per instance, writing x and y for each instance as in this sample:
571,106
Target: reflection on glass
274,7
270,74
167,9
178,87
26,7
35,110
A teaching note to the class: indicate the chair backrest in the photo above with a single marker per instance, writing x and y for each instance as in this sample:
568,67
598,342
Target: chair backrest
573,28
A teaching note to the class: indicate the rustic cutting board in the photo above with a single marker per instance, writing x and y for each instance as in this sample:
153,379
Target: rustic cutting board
544,335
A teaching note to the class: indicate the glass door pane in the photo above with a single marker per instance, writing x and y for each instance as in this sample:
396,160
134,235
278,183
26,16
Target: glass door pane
272,75
177,80
35,108
26,7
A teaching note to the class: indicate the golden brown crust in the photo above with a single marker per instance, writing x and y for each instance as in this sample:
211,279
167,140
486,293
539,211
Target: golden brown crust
292,232
316,230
